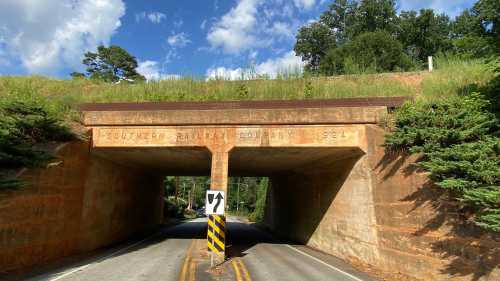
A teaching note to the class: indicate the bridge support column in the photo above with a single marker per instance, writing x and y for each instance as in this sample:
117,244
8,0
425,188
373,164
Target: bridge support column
219,171
216,224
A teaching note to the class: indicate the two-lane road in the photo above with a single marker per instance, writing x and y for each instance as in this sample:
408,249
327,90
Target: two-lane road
178,253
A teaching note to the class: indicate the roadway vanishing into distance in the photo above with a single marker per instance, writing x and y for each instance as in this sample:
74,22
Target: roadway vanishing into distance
179,253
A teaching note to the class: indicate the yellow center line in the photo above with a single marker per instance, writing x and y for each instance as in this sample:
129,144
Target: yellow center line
236,271
192,270
185,267
245,270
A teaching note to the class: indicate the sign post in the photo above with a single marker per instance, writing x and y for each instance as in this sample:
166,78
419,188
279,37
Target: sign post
215,206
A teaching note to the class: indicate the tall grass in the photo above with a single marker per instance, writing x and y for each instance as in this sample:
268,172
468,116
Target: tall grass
451,77
455,76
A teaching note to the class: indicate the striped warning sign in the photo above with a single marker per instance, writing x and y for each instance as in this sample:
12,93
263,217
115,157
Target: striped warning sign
216,238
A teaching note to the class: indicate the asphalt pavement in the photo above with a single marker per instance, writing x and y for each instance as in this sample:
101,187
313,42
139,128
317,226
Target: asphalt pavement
179,253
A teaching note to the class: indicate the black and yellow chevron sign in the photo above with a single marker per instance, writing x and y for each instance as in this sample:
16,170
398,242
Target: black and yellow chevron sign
216,238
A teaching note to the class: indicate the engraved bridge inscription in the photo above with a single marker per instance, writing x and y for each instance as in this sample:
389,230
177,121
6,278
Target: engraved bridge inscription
233,136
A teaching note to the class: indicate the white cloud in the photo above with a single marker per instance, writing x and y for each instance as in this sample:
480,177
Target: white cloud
281,29
235,31
255,24
151,70
288,63
156,17
48,35
153,17
225,73
178,40
304,4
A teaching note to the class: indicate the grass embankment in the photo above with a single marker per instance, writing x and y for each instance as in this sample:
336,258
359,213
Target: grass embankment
450,78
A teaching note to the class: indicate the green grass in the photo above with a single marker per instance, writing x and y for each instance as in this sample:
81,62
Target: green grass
454,76
451,77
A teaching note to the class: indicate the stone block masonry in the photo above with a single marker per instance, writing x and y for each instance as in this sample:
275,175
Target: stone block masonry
79,204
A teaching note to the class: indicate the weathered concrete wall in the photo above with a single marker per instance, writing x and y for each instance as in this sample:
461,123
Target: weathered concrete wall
420,232
379,210
329,209
82,203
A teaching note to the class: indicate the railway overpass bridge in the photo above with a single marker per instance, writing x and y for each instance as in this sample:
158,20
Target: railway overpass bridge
332,185
316,153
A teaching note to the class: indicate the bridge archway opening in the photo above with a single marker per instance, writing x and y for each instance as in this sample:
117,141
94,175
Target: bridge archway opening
318,156
303,181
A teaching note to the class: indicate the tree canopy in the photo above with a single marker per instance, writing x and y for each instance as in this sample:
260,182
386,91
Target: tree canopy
324,44
371,51
110,64
313,42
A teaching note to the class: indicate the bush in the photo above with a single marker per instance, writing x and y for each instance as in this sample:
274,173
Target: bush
458,138
174,208
190,214
23,126
258,214
472,47
369,52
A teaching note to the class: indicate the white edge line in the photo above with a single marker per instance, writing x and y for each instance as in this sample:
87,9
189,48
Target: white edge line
323,263
101,259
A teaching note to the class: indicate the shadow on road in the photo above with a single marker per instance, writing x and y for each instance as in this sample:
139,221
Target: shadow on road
240,238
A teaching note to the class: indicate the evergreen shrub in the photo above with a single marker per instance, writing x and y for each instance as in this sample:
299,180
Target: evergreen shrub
458,138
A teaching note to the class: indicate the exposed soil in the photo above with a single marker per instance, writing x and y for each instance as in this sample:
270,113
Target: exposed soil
379,274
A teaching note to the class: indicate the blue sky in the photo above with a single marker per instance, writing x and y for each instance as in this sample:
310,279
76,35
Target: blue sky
169,38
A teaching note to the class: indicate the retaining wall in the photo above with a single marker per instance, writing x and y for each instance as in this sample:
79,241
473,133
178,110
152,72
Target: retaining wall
77,204
380,210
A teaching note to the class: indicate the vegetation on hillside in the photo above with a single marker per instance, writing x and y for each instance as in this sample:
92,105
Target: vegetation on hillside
459,139
458,136
370,36
25,125
451,75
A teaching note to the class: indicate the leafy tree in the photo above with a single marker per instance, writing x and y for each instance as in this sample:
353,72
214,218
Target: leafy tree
472,46
340,24
477,31
377,51
488,14
111,64
467,24
424,34
375,15
334,61
313,41
340,18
